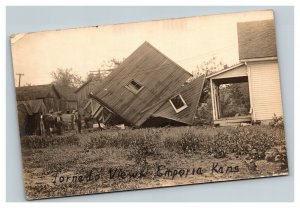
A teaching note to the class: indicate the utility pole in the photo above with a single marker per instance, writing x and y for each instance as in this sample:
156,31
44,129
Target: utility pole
20,75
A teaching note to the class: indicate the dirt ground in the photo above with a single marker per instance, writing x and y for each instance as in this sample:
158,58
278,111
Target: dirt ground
117,160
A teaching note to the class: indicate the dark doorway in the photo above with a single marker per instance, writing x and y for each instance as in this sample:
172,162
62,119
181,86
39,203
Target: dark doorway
234,99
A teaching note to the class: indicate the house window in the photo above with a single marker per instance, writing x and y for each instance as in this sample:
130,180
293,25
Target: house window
178,103
134,86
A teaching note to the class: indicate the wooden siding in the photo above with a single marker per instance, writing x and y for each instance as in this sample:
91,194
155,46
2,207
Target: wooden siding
265,89
158,74
83,92
191,94
52,104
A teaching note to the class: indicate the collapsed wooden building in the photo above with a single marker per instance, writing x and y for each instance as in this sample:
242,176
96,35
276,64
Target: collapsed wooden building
147,89
259,68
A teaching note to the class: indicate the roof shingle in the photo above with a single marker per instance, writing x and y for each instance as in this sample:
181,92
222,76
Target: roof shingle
256,39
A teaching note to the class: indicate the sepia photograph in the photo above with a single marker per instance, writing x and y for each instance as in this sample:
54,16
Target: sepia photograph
150,104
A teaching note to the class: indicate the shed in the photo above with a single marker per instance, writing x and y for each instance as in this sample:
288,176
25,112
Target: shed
149,84
259,67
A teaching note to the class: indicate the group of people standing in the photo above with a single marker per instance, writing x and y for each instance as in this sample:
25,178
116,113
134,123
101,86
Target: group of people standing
53,122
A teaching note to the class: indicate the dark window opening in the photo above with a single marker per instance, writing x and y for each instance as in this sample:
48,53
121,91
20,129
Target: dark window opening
134,86
178,103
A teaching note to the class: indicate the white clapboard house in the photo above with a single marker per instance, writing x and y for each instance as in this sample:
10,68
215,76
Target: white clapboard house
259,67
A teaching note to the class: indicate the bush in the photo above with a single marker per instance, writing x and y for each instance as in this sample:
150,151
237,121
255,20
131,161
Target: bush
204,114
186,142
36,142
238,141
145,147
277,122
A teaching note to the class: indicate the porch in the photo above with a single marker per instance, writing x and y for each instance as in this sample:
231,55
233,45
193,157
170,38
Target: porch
220,82
233,121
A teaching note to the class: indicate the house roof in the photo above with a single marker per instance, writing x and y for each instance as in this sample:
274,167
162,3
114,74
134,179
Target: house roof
36,92
256,39
191,93
158,74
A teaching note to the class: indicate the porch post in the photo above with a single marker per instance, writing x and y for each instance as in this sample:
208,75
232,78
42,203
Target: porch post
252,111
218,101
213,99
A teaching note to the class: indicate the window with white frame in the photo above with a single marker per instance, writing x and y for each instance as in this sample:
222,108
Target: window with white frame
178,103
134,86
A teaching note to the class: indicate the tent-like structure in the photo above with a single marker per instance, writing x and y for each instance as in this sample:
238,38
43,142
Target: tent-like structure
29,115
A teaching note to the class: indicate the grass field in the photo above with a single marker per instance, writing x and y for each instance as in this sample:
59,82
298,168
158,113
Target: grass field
116,160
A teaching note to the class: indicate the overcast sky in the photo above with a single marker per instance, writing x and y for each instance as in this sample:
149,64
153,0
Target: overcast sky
187,41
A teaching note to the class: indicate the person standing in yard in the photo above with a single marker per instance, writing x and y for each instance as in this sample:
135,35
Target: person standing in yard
42,126
49,123
73,120
59,123
78,121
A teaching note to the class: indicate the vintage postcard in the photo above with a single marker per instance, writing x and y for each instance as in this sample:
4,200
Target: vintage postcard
149,104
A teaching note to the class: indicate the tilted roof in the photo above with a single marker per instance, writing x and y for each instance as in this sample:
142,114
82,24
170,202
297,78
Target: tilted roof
158,75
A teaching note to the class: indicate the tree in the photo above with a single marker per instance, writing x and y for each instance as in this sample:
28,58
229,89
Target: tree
110,64
210,66
66,78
